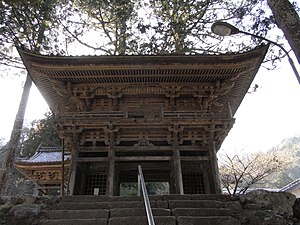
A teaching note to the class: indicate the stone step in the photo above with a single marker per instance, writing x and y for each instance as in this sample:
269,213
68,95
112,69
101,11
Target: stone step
218,197
104,198
125,212
129,210
78,214
189,220
82,206
75,222
87,198
201,212
100,205
142,220
173,204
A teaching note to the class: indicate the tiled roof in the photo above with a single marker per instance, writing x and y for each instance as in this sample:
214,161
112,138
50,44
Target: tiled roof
231,73
45,155
291,185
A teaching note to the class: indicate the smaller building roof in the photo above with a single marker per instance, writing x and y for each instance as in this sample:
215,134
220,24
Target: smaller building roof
45,155
292,185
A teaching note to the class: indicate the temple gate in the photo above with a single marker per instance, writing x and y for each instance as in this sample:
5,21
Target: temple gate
169,114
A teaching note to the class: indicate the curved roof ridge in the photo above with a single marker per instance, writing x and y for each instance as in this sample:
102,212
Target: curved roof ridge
24,49
45,155
50,149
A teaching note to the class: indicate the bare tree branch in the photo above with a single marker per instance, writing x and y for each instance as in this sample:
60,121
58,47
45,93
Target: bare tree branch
240,172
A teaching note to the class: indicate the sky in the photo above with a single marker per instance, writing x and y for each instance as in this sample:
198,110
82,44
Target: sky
263,120
270,114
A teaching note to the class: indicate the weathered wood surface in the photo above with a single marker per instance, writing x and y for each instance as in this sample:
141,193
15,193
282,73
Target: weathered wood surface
146,109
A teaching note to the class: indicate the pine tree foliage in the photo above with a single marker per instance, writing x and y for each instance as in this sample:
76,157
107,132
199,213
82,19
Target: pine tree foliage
22,23
40,133
118,27
167,27
32,24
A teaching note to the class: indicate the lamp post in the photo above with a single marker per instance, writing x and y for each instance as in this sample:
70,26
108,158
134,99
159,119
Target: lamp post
226,29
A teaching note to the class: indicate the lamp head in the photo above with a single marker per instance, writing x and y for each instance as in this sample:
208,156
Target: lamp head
224,29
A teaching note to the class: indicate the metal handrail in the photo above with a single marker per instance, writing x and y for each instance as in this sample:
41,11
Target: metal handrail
142,186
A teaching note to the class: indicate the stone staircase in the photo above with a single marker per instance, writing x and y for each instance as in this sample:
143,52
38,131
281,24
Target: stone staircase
167,210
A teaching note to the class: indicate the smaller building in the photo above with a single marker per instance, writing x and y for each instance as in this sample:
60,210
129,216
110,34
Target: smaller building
44,168
293,187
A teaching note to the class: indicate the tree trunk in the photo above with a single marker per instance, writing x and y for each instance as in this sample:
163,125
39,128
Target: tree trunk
15,135
18,124
288,21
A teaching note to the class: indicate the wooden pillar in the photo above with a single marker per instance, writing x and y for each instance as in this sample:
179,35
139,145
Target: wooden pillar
111,173
111,166
177,170
206,182
62,186
215,169
176,158
73,170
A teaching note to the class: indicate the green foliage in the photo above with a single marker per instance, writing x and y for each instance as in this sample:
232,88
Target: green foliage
25,23
17,184
166,27
41,132
111,19
128,189
157,188
177,20
133,26
3,152
278,180
153,188
4,211
289,146
31,24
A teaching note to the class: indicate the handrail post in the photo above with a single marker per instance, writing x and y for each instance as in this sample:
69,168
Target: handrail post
145,196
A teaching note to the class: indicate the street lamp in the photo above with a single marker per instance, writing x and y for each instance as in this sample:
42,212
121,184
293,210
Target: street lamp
226,29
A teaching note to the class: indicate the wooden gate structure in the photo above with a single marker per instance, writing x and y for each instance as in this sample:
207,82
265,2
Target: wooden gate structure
168,113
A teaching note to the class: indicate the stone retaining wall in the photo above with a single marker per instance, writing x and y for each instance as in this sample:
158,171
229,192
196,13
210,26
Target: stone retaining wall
255,208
